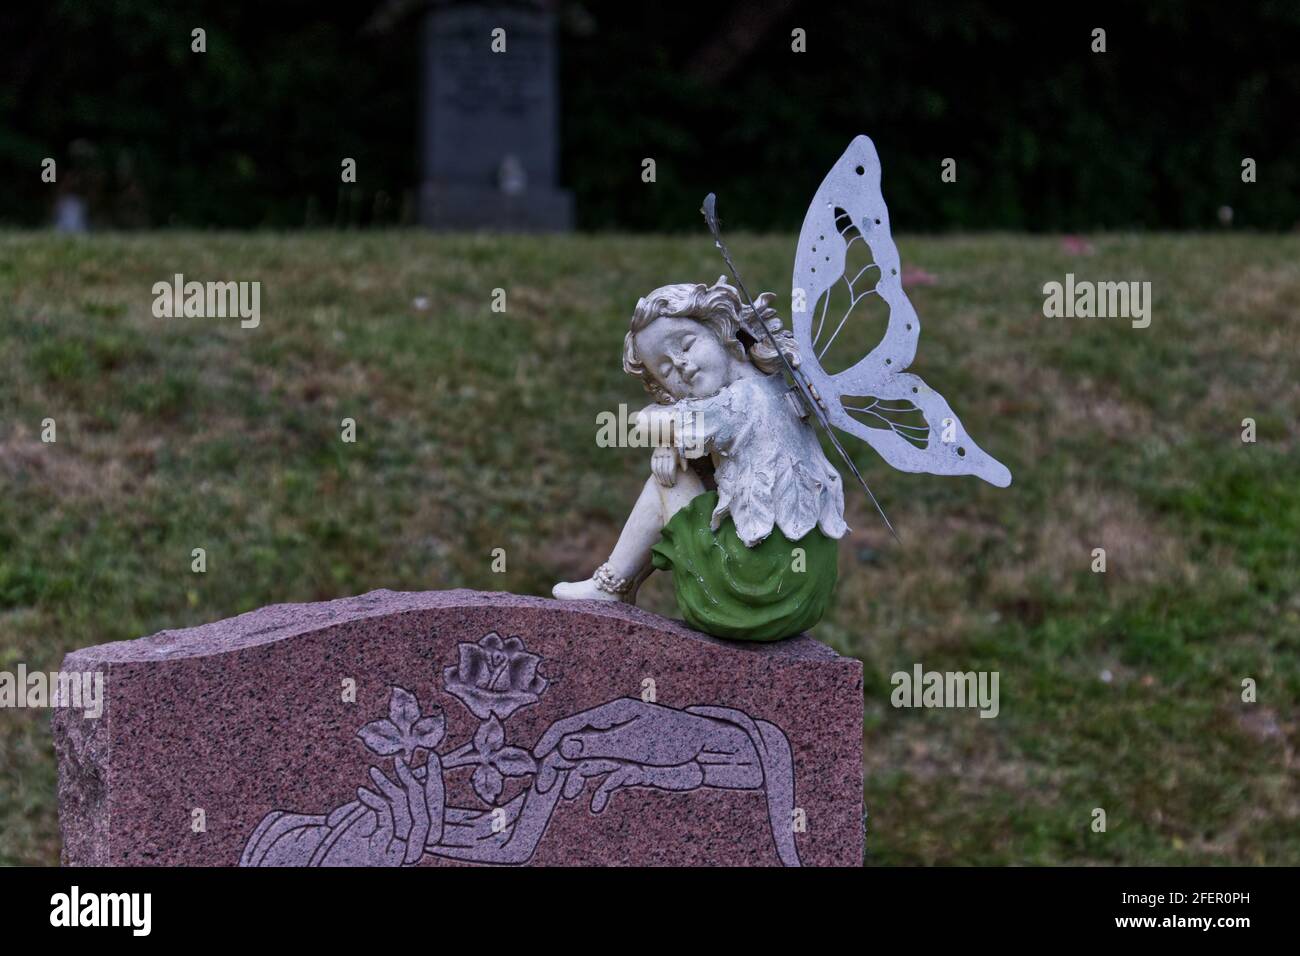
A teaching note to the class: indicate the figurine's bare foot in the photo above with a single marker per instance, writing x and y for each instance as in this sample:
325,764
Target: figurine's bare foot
604,585
586,590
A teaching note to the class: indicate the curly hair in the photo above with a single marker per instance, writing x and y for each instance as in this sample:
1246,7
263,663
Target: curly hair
720,308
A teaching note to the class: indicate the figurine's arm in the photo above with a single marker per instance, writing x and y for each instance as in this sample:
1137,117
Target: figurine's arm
681,427
667,427
657,420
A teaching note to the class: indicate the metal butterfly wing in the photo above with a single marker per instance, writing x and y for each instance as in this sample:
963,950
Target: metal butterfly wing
845,257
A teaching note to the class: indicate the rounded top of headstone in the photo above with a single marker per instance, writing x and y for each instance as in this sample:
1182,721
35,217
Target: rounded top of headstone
276,622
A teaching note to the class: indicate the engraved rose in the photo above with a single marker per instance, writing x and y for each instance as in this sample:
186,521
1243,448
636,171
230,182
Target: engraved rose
494,678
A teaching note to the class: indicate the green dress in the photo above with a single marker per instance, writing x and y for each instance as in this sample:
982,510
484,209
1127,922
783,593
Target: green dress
764,593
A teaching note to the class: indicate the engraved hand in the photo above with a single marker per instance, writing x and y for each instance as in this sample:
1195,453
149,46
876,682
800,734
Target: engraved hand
686,777
640,744
407,816
393,819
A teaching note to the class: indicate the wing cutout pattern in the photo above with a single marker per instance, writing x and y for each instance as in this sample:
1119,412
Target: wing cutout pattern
849,314
909,424
902,418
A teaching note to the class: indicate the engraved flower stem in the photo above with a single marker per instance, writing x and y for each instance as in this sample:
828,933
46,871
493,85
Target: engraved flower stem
460,757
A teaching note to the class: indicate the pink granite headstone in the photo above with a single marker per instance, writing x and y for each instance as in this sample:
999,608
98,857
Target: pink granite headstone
460,726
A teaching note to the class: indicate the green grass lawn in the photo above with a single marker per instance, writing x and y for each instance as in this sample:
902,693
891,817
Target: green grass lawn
476,430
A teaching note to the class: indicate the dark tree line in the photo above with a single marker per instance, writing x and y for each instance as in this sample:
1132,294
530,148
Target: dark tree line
1047,135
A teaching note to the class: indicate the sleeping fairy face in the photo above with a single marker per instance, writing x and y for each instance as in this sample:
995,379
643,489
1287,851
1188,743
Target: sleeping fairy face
685,357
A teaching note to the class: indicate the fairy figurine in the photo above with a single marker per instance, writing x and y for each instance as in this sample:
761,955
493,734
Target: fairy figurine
742,504
739,480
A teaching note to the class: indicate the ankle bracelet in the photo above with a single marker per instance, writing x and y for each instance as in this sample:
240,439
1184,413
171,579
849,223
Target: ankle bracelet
607,580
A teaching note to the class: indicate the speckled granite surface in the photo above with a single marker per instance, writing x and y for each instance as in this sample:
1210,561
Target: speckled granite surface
481,727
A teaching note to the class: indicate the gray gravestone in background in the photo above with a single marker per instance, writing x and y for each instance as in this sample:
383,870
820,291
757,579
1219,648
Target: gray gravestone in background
490,126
